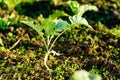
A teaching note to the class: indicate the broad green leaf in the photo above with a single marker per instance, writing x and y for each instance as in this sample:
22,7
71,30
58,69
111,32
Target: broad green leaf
49,26
61,25
36,27
74,5
57,14
77,20
84,8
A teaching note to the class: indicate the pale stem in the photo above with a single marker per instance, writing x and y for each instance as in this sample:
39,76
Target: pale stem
56,39
15,44
48,52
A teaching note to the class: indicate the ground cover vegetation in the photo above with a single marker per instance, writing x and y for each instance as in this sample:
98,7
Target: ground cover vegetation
54,39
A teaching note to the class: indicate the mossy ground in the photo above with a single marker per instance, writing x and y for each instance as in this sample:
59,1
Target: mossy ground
97,50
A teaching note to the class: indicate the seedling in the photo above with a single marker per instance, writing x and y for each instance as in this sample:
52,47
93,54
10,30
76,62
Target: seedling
48,29
78,10
51,27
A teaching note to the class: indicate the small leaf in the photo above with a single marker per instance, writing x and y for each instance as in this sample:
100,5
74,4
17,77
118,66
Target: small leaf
76,20
61,25
36,27
84,8
49,26
80,10
12,3
74,5
57,14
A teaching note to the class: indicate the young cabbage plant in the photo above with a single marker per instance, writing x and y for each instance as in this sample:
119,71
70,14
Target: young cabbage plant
49,30
78,10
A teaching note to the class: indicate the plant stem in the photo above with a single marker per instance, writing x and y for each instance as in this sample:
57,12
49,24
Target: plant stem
48,52
45,60
15,44
56,39
44,42
48,42
51,39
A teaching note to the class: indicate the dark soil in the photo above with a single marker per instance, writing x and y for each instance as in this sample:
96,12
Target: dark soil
93,50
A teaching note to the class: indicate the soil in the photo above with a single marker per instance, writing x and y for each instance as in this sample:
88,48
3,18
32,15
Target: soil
93,50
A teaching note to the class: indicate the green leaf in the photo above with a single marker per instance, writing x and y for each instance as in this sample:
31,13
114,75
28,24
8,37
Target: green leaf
77,20
80,10
49,26
84,8
61,25
57,14
12,3
36,27
74,5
